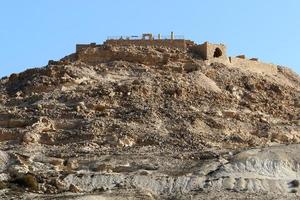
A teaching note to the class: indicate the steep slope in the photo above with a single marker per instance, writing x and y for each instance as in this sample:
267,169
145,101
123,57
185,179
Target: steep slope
67,117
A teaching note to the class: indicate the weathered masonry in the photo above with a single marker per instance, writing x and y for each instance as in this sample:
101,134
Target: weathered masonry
210,51
148,39
205,51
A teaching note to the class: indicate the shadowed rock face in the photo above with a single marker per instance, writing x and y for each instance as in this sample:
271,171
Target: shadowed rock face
155,118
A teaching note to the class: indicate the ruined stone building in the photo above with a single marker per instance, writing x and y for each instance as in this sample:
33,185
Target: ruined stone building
206,50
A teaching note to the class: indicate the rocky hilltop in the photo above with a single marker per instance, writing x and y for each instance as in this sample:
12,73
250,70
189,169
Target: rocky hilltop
149,123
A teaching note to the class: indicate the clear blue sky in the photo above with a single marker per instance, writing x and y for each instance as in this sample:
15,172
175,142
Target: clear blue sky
35,31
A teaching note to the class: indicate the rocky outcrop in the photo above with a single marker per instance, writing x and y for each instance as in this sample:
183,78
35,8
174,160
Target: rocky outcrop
149,119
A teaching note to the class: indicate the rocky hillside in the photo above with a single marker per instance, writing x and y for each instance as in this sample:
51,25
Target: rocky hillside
82,114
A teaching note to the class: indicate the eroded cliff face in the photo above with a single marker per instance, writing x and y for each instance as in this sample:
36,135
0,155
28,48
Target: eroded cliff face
142,118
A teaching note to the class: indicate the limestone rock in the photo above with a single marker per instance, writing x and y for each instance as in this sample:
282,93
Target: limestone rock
114,119
74,188
31,137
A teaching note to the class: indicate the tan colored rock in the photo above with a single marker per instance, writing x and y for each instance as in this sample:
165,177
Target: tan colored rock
72,164
18,170
31,137
60,185
104,168
230,113
241,183
126,142
228,183
284,137
56,161
162,110
74,189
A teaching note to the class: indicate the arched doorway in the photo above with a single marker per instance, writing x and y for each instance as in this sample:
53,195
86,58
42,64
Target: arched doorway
218,53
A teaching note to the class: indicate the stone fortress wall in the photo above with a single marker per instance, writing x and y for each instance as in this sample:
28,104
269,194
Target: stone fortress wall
146,40
253,65
80,47
207,51
171,43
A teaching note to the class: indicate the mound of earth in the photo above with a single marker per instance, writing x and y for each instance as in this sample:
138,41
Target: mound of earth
151,121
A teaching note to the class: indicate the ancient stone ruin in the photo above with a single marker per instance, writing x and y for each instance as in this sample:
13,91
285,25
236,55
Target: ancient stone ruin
205,50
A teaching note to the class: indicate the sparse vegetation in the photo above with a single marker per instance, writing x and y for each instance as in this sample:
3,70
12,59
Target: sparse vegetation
294,191
294,183
27,181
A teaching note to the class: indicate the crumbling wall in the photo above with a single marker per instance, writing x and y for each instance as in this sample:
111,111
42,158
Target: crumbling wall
96,55
200,50
80,47
106,53
208,51
177,43
254,66
215,51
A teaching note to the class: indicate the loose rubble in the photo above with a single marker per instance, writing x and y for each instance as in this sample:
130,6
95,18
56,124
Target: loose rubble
148,123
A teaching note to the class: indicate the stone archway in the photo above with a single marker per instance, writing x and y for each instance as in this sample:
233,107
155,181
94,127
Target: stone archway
218,53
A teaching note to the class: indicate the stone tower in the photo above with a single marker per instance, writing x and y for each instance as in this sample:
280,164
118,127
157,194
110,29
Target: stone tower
210,51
